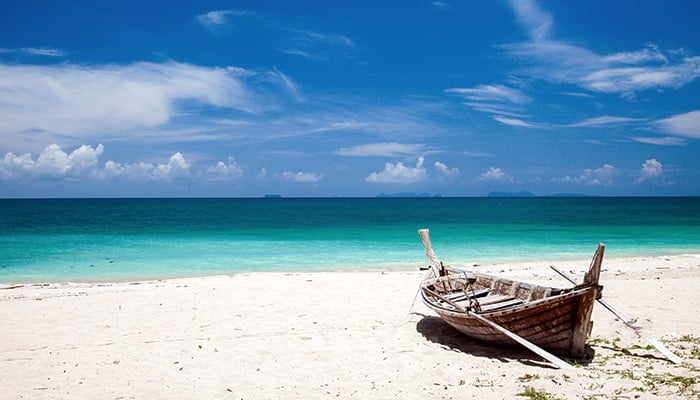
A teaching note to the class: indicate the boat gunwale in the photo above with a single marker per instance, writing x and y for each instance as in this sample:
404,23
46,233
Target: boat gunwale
508,310
454,274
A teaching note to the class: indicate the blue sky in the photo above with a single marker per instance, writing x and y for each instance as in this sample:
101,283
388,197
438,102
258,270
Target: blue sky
317,98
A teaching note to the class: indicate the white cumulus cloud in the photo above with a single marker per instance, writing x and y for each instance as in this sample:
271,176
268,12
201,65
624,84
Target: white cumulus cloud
176,167
224,171
445,171
399,173
52,162
13,166
83,162
495,174
604,175
651,168
301,177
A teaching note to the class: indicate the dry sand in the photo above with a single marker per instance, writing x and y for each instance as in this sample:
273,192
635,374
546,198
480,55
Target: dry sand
332,335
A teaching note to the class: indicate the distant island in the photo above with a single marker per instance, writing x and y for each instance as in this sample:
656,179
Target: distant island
407,195
511,194
414,195
570,195
530,194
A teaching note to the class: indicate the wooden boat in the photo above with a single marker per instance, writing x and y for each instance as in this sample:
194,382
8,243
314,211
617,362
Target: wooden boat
503,311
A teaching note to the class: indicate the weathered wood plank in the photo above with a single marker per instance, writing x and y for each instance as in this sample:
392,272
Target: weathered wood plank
494,299
500,304
461,296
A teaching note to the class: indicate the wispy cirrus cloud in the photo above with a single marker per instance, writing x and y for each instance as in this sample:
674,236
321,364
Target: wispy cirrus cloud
627,80
287,82
389,149
442,5
351,124
661,141
35,51
505,104
214,20
316,46
503,110
492,94
555,61
687,124
650,54
314,38
624,73
182,103
305,43
470,153
384,123
82,102
516,122
604,121
536,21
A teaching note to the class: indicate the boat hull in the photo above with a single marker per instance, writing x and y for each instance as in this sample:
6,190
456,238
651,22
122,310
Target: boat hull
550,323
502,311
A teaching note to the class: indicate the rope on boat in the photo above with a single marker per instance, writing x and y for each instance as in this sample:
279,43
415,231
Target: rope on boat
429,274
473,302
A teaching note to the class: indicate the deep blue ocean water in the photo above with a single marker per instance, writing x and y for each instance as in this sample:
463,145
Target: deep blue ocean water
120,239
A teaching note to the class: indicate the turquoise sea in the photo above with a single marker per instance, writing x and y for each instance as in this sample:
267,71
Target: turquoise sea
122,239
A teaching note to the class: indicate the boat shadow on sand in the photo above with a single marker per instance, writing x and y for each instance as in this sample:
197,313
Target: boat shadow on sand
435,330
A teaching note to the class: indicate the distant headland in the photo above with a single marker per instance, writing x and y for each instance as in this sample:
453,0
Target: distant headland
407,195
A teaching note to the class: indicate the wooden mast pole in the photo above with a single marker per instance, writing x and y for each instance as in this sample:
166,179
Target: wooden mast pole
435,264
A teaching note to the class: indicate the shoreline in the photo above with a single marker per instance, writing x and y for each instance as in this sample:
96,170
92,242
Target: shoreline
333,334
498,266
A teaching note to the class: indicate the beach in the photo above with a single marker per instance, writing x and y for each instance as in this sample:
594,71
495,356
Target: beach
311,335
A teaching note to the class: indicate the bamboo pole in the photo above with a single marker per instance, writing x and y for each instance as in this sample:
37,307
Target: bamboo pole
558,362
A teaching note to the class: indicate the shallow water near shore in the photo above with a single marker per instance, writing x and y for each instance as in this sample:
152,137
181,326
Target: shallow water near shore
122,239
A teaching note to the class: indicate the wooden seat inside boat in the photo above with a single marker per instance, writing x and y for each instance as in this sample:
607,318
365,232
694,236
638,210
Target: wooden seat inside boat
500,304
493,299
466,295
487,300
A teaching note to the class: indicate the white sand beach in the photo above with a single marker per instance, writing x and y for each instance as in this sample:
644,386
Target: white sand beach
333,335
